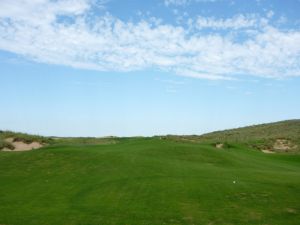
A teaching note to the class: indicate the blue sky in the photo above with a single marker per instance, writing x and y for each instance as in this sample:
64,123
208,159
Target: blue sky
126,68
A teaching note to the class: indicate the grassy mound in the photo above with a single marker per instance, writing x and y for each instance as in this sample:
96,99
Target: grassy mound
289,129
281,136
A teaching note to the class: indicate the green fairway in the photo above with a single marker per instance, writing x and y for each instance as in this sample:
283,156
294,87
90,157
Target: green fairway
148,181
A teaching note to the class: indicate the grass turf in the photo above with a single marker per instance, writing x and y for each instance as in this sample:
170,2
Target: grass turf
148,181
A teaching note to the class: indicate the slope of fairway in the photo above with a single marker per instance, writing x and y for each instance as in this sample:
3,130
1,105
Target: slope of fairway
148,181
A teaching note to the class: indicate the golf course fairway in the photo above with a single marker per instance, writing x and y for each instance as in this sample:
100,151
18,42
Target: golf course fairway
149,181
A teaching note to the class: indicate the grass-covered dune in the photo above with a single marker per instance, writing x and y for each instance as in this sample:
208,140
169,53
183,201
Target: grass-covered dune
133,181
289,129
22,137
283,136
46,141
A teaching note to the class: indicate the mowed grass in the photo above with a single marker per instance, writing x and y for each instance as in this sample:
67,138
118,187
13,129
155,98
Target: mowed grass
148,181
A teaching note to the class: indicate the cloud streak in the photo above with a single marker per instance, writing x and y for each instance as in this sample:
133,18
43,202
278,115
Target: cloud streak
237,22
67,33
185,2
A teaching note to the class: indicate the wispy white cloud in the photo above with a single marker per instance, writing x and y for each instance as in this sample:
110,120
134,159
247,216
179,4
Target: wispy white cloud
41,11
237,22
67,33
176,2
184,2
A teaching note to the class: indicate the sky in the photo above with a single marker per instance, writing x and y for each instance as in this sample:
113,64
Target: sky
143,68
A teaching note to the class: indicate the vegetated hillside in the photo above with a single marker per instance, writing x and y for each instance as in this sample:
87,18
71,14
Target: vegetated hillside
289,129
283,136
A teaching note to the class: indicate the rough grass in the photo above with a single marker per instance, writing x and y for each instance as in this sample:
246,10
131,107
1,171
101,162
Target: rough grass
4,144
261,136
85,141
67,141
148,181
285,129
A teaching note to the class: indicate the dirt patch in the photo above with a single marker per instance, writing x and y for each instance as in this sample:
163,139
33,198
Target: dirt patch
267,151
283,145
219,145
22,146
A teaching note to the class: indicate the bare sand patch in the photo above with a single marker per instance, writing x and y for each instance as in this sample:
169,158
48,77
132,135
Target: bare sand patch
219,145
283,145
267,151
22,146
